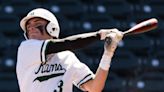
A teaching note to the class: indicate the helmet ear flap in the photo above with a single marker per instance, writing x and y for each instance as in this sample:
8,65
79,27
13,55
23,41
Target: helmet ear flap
52,29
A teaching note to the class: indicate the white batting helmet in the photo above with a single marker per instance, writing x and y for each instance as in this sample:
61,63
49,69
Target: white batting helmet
52,27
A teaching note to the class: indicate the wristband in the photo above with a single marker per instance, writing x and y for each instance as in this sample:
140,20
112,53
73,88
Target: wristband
105,62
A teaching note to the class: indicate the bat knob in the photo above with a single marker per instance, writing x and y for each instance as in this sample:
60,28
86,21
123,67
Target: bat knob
108,40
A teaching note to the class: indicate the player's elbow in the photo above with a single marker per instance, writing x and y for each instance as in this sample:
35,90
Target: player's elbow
96,89
92,86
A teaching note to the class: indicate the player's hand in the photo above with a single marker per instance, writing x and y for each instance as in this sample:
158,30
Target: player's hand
112,39
104,32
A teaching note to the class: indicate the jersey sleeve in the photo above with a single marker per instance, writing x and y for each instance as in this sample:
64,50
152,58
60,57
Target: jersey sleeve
72,42
32,50
82,73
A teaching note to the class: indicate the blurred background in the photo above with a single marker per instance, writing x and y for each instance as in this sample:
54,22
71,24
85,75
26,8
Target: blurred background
137,66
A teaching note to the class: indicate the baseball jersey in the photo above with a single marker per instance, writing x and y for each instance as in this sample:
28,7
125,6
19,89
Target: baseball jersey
56,72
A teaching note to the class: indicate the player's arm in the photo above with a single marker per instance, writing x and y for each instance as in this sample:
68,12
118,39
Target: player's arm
75,41
97,84
71,42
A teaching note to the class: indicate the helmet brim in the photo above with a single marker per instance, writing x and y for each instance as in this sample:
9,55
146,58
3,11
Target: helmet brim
24,21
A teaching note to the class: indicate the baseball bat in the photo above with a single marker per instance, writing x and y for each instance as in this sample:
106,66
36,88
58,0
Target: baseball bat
82,40
142,27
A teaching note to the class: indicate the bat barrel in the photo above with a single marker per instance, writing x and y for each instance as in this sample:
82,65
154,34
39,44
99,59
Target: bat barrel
142,27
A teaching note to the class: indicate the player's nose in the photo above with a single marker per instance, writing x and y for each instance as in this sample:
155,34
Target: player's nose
32,29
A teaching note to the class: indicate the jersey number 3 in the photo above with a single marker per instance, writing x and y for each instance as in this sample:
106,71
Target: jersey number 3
60,87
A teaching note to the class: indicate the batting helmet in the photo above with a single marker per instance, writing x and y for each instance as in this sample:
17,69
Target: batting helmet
52,27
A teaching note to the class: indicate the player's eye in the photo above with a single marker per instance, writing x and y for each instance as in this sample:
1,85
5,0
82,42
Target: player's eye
40,28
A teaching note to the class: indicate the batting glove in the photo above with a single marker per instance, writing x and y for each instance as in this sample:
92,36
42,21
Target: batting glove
104,32
112,40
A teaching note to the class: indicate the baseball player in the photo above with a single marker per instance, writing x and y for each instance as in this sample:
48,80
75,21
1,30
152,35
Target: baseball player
45,63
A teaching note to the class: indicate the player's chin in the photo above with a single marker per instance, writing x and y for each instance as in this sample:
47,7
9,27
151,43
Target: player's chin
34,36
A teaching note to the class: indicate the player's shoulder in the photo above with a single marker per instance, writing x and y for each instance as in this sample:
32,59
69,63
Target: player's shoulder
31,42
66,53
67,57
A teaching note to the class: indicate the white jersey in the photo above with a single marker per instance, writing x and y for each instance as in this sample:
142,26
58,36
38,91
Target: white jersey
57,72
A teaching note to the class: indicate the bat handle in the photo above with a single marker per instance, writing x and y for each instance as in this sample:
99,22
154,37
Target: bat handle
108,40
125,32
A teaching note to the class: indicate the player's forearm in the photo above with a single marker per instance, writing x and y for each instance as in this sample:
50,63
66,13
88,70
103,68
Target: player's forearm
98,83
71,42
102,72
99,80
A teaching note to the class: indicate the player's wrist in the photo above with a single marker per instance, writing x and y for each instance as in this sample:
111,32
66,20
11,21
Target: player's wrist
108,53
105,61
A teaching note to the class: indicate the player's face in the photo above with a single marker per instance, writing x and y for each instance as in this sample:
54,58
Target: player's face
36,29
